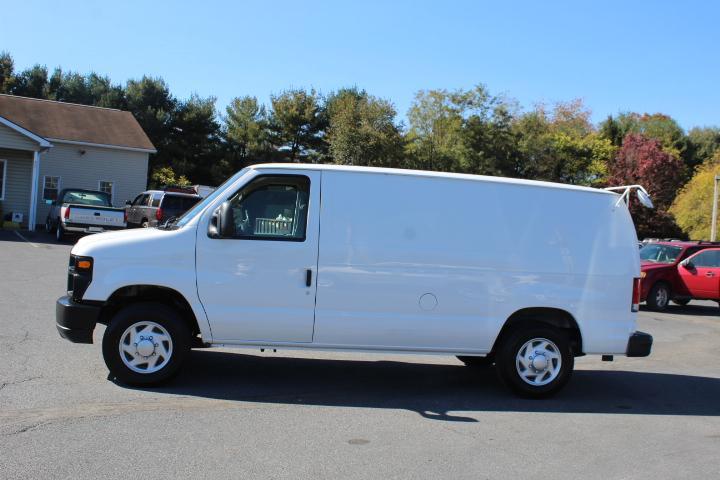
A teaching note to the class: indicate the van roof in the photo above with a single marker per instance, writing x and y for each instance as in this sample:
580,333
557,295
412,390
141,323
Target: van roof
426,173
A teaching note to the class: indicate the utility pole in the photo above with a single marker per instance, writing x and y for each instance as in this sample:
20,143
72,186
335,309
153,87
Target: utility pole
713,229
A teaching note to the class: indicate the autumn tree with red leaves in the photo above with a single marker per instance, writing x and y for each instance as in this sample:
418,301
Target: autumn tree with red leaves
641,160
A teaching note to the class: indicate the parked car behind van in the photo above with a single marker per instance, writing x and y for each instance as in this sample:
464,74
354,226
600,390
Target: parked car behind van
662,279
153,207
389,261
79,211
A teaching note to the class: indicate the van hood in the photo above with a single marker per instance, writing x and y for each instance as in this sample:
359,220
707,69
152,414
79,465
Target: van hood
122,239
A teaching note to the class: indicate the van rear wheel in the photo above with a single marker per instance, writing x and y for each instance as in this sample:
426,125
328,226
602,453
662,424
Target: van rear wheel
145,344
535,362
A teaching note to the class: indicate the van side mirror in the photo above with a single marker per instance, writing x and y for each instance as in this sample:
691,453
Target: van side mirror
222,223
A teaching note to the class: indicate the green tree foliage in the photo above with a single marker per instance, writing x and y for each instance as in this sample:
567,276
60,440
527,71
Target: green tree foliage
166,176
435,135
194,145
7,72
362,130
704,142
562,145
31,82
692,207
247,130
297,121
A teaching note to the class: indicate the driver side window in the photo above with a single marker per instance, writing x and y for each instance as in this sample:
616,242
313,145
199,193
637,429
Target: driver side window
272,208
707,259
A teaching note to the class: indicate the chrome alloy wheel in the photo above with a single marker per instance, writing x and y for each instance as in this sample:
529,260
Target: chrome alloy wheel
661,297
145,347
538,362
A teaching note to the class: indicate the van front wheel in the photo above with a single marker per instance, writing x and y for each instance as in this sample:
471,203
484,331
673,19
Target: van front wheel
145,344
535,362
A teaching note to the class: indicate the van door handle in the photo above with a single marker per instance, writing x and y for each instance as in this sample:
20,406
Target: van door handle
308,277
709,274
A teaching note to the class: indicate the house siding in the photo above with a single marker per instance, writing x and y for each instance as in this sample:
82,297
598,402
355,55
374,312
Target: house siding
17,182
126,169
9,138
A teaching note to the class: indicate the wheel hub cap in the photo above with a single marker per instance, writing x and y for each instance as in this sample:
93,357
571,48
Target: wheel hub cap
538,361
145,347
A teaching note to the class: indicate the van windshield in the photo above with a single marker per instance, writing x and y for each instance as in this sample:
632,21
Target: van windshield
199,207
659,253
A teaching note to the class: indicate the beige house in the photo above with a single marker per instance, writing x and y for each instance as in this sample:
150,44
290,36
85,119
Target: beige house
46,146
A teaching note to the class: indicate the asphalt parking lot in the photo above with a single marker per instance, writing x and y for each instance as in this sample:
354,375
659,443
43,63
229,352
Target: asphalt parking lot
290,415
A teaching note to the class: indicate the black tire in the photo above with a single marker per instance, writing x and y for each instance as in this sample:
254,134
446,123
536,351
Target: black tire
681,301
160,314
509,371
59,232
145,223
477,362
659,297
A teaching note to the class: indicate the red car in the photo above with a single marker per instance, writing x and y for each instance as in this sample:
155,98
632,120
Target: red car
679,271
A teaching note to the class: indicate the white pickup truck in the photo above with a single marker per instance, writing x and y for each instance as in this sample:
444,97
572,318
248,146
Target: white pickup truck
519,274
83,211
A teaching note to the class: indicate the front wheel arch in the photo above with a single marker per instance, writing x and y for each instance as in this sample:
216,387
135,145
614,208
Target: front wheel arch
131,294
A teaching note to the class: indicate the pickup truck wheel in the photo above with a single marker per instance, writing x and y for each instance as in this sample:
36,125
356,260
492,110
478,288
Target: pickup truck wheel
59,232
145,224
145,344
479,362
658,297
535,362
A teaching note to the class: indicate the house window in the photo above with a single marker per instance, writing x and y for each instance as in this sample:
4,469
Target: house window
51,187
107,187
3,174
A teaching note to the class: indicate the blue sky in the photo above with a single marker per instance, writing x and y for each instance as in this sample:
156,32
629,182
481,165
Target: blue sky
645,56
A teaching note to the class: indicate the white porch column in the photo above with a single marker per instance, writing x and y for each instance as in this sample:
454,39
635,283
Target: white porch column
32,217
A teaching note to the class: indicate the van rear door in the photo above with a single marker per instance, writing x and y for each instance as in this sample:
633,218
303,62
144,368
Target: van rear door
259,285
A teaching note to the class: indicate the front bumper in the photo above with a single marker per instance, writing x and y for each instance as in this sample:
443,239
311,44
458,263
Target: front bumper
639,344
76,321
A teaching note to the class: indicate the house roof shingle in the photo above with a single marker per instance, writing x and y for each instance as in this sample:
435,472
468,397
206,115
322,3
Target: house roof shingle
73,122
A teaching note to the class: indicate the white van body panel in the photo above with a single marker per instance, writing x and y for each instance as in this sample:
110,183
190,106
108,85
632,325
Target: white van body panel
404,261
480,250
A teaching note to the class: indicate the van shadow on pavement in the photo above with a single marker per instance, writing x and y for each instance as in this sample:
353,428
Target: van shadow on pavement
433,391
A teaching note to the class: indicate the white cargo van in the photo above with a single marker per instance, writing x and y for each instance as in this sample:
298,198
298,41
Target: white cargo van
522,274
